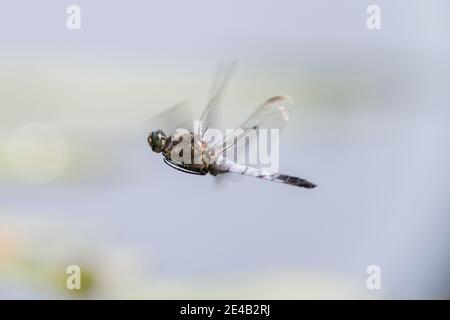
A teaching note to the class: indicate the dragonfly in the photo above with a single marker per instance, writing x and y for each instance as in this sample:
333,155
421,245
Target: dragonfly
208,157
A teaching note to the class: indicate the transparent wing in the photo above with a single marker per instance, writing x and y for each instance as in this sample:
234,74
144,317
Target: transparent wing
272,114
177,116
220,82
222,181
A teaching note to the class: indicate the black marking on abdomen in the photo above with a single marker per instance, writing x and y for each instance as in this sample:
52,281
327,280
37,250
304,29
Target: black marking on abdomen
294,181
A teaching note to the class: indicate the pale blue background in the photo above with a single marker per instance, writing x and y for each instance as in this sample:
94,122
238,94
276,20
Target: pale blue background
370,127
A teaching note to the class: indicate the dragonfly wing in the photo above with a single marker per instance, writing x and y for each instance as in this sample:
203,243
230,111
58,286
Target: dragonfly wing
272,114
177,116
216,94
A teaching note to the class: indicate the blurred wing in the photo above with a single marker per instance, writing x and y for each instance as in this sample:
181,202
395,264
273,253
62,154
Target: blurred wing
177,116
221,181
272,114
217,90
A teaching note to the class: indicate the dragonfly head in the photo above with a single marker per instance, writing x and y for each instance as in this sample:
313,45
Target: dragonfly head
156,140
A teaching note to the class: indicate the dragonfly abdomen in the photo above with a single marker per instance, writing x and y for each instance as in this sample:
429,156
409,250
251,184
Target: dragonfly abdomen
264,174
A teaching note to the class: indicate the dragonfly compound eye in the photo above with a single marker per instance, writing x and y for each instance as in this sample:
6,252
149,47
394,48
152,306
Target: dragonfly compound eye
149,139
156,140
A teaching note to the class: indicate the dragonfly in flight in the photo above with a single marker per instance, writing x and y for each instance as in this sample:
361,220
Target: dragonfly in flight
209,157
